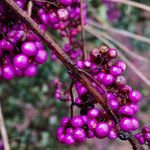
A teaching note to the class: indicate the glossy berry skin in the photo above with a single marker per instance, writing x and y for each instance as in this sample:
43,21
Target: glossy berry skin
115,71
112,135
114,104
93,113
8,72
108,79
21,61
61,138
126,124
60,130
79,135
102,130
65,121
77,122
92,123
135,96
29,48
112,53
135,122
121,65
69,139
31,71
140,138
69,131
41,57
126,110
135,107
85,119
147,137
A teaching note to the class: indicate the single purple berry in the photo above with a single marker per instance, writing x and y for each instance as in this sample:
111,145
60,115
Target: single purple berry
135,96
8,72
41,57
92,123
77,122
115,71
21,61
79,135
93,113
135,122
102,130
126,124
69,139
31,71
114,104
29,48
140,138
65,121
112,135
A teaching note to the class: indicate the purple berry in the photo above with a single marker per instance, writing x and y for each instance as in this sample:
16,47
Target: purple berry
115,71
8,72
41,57
65,121
79,135
92,123
21,61
135,96
112,135
77,122
135,122
114,104
31,71
29,48
69,139
126,110
126,124
102,130
93,113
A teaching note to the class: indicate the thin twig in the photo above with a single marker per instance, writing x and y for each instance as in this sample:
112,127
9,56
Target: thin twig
132,3
82,30
119,31
103,38
3,131
72,98
29,8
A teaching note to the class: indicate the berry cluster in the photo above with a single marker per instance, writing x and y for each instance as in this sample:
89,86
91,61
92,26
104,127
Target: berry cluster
64,16
21,51
106,76
78,128
144,136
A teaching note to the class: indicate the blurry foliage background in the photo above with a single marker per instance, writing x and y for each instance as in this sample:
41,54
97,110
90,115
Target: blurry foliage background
31,112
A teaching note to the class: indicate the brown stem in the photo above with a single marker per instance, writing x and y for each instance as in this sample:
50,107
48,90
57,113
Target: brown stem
3,131
29,8
60,54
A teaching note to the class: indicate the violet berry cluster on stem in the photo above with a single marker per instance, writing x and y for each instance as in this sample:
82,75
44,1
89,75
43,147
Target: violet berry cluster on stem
121,98
21,50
